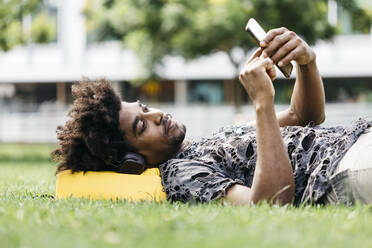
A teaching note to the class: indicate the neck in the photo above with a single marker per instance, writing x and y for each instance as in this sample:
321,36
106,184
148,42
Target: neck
185,144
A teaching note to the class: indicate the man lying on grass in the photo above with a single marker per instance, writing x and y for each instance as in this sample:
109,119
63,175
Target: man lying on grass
281,158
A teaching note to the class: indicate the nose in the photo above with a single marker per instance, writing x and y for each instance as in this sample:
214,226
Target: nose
154,115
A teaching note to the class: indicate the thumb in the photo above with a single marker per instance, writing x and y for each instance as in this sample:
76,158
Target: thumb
271,70
268,64
256,54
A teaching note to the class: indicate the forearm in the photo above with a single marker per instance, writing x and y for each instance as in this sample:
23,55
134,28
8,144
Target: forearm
308,97
273,178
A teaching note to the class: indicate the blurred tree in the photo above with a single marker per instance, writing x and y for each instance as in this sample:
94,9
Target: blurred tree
192,28
11,13
43,29
12,23
361,16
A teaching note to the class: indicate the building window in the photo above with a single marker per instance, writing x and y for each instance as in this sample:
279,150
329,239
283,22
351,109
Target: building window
207,92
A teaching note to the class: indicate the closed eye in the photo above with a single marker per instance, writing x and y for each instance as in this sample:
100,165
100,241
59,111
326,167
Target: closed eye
143,127
145,108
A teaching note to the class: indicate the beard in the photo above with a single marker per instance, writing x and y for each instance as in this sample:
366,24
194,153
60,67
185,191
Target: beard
177,139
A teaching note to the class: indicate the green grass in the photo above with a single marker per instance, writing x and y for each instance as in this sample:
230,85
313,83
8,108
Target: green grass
26,152
30,218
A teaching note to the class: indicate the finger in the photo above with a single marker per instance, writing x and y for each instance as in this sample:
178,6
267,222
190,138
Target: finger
291,56
247,65
276,44
272,73
256,54
271,35
267,63
253,60
284,50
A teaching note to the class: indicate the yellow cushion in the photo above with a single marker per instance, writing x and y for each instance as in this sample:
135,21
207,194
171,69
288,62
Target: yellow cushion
110,185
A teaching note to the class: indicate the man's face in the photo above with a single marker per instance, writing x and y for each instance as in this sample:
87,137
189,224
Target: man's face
151,132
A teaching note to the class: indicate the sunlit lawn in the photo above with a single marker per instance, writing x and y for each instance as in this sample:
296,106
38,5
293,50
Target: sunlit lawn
30,217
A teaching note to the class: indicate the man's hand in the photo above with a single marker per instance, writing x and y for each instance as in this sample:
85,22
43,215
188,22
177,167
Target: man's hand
283,46
273,179
256,77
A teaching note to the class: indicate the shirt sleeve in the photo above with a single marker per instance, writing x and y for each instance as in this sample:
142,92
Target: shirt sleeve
194,181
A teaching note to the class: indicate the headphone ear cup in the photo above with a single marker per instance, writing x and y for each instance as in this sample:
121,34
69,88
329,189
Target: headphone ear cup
133,163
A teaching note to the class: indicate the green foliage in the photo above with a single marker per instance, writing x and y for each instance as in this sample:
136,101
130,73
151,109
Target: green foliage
30,217
44,28
360,12
12,15
361,20
192,28
306,18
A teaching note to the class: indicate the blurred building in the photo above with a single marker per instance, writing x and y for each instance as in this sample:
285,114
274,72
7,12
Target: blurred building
34,78
35,74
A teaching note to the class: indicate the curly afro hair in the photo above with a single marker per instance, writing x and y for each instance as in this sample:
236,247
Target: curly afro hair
91,138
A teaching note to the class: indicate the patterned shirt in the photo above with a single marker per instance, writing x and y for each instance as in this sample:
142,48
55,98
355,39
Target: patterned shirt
209,167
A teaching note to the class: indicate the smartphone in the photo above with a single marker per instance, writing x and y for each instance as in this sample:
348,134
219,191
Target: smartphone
258,34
